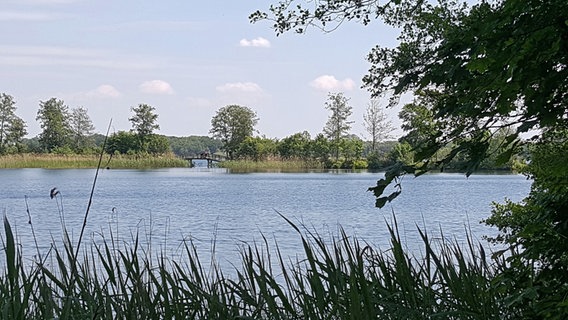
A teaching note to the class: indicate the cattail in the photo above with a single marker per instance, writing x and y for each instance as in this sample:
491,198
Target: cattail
53,193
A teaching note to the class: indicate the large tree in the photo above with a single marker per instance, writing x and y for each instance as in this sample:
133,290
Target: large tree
144,122
12,127
376,123
53,116
82,128
232,124
338,125
493,61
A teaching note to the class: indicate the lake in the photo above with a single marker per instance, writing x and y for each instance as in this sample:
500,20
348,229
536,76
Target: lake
166,206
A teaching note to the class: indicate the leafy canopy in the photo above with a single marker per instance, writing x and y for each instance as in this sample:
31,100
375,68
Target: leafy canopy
12,127
492,65
338,124
232,124
53,116
144,122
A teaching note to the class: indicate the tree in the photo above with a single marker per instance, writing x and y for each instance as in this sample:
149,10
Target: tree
16,135
296,146
376,123
122,142
489,67
12,127
158,144
144,122
53,116
483,64
232,124
256,148
320,148
82,129
337,125
536,231
352,147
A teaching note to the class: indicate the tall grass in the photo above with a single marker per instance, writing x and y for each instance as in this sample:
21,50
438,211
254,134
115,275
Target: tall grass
271,165
335,278
57,161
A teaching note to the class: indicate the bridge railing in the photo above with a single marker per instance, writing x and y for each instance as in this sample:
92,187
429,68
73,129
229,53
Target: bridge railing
206,156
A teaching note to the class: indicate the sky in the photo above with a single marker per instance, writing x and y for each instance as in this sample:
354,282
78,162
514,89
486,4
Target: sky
185,58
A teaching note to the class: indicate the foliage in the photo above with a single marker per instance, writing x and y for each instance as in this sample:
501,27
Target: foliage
351,147
381,158
402,153
490,67
313,152
420,125
158,144
53,116
256,148
320,148
12,127
122,142
418,122
493,159
82,129
337,125
537,231
232,124
329,15
194,145
296,146
496,61
376,123
144,122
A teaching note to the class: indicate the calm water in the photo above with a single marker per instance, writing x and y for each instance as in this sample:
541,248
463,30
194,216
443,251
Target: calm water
170,205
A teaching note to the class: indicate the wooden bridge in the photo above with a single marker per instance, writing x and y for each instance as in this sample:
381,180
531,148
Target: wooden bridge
210,158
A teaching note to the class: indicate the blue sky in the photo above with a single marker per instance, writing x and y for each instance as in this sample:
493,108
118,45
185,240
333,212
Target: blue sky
185,58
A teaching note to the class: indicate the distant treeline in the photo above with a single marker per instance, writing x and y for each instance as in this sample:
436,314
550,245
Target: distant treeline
358,155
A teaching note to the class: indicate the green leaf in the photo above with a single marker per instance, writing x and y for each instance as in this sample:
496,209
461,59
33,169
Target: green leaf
10,248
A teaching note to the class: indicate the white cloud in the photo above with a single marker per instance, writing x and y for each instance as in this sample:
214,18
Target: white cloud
156,87
249,87
257,42
243,93
330,83
105,91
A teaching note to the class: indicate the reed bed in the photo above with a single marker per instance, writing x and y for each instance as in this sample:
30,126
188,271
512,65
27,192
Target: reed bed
272,165
56,161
